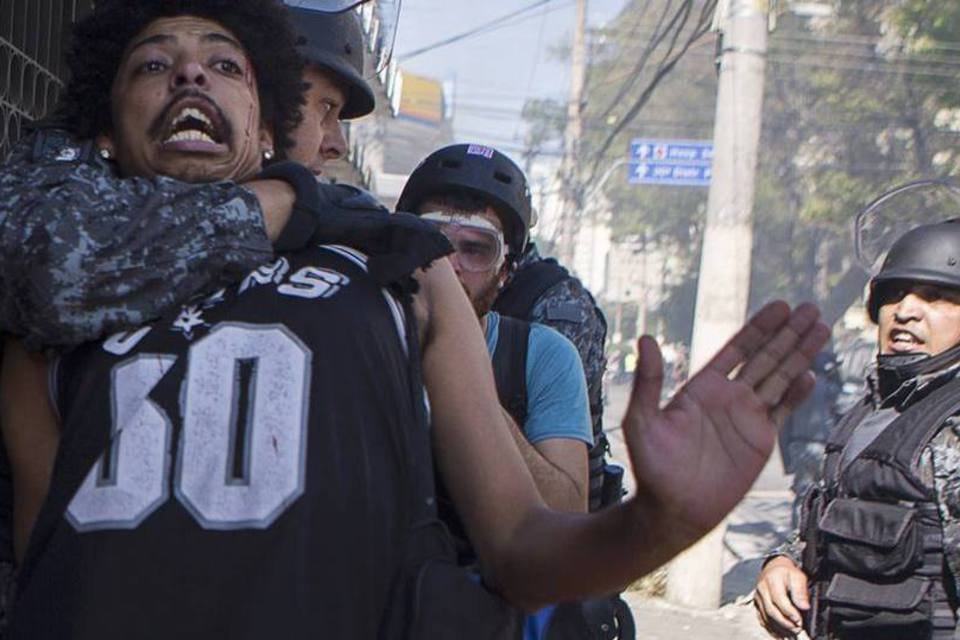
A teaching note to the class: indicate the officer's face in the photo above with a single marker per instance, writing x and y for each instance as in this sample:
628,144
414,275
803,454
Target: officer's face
319,137
482,287
185,104
918,318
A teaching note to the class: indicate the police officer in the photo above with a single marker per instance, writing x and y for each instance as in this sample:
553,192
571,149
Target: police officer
332,45
878,553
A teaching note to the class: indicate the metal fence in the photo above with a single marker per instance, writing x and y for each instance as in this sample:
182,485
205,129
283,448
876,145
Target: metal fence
32,41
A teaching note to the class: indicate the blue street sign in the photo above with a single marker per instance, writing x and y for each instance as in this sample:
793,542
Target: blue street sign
679,151
686,175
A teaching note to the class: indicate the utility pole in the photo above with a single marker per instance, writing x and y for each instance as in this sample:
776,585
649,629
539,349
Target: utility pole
695,577
571,204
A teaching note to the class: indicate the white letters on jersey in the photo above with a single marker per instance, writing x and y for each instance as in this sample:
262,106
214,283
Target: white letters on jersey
241,459
313,282
121,343
265,274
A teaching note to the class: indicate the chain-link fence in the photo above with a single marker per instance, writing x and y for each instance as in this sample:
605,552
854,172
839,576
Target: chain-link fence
32,39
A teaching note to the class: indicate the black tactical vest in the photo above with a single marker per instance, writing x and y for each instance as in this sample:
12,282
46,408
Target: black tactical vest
874,543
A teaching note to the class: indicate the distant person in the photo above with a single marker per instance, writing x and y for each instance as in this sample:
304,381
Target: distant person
803,438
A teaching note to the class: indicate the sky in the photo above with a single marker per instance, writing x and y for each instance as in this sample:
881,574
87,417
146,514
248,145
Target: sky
492,74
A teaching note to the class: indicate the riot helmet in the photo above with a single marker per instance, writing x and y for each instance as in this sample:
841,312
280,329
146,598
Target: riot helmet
334,42
927,254
480,171
379,18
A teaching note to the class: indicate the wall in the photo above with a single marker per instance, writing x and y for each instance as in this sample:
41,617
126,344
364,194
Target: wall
32,40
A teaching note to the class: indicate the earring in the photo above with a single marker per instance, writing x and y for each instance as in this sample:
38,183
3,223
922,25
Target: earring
268,154
105,153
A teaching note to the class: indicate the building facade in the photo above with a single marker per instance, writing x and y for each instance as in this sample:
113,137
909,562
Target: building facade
32,42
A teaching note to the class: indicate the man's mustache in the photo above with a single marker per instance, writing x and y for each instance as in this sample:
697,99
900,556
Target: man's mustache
159,125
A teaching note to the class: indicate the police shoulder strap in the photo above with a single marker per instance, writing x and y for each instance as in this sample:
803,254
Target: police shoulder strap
527,285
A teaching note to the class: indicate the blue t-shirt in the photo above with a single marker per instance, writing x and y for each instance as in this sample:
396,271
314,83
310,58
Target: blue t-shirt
557,405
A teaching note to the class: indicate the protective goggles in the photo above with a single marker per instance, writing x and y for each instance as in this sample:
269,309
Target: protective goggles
478,244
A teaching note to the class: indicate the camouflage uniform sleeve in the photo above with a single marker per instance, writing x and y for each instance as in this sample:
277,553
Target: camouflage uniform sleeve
569,308
84,253
792,548
944,453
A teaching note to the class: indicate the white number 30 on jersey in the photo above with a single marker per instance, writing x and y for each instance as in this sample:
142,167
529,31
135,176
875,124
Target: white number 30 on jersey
241,457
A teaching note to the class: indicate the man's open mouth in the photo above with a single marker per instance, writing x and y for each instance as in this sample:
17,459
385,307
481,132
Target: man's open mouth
194,126
903,340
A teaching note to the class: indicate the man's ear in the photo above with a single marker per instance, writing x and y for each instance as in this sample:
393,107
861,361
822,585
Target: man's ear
504,273
105,146
267,147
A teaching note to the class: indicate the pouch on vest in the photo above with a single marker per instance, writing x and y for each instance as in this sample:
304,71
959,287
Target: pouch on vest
812,507
871,538
859,605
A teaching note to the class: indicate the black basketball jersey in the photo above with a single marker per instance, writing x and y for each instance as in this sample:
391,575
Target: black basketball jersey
241,470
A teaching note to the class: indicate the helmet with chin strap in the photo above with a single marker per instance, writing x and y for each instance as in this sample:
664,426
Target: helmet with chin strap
928,254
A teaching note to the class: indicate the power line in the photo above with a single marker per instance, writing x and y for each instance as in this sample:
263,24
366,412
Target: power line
799,49
536,61
492,25
879,67
860,40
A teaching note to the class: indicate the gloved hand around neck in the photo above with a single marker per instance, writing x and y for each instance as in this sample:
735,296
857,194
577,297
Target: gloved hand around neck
896,370
397,244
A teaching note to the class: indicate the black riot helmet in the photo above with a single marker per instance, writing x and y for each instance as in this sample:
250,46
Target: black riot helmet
480,171
334,42
928,254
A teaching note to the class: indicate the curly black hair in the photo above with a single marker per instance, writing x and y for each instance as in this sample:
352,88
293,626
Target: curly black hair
262,26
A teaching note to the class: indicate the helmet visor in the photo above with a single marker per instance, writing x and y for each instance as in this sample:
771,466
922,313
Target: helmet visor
897,211
478,245
379,20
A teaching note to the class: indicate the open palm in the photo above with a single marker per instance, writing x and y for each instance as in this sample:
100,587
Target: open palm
696,457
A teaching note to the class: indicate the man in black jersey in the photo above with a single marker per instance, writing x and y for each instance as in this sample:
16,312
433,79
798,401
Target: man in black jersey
520,543
180,523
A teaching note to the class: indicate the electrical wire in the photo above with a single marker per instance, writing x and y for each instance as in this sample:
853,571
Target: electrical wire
492,25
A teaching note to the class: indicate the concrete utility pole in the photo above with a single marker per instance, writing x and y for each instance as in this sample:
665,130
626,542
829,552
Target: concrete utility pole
571,204
695,577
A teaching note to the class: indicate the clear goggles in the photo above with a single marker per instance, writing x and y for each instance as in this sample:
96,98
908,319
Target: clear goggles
479,245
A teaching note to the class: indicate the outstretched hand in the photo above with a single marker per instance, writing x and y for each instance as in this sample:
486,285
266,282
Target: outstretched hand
695,458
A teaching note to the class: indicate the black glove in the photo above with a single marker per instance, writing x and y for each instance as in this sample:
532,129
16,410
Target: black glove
396,244
303,220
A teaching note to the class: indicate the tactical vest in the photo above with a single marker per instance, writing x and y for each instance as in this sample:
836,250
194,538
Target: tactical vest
874,543
517,300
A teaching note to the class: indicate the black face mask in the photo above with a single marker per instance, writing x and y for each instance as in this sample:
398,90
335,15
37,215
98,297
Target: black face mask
895,370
